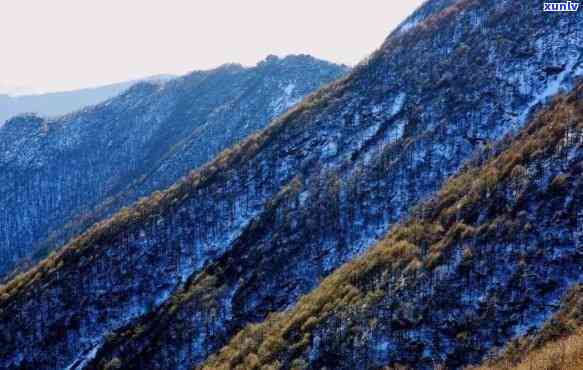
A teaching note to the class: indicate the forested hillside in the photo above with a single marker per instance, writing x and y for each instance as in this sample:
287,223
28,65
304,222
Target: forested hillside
60,176
489,258
171,280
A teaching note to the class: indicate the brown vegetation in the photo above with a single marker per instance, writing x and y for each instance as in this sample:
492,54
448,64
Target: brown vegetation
259,345
565,354
558,345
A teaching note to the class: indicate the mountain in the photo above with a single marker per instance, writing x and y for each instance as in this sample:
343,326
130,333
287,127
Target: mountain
59,103
487,259
59,176
169,281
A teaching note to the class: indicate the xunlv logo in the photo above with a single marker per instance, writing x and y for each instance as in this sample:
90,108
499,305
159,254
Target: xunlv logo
561,7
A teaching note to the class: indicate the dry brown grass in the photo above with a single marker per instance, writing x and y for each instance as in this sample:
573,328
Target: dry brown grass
565,354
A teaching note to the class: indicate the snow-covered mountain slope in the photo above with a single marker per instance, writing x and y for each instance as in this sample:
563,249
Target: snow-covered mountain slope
328,216
59,176
488,259
176,276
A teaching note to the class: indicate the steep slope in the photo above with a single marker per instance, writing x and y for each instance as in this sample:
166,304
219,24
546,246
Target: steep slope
274,215
558,345
330,215
563,354
59,103
54,173
488,259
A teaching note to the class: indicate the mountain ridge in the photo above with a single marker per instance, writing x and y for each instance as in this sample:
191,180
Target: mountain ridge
162,132
62,102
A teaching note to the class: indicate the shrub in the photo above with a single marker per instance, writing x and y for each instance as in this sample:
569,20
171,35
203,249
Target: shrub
115,363
558,183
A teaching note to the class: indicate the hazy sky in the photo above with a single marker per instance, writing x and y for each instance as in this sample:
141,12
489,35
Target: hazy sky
49,45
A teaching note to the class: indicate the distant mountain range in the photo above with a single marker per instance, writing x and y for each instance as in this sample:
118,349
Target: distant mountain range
58,103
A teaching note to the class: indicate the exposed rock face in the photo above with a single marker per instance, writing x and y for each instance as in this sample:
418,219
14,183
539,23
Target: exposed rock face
264,223
56,172
488,259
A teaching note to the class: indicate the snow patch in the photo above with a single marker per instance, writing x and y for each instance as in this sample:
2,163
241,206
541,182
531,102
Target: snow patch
408,25
330,150
285,101
289,89
398,104
84,359
554,87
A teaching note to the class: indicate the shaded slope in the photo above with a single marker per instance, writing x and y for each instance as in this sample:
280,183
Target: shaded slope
485,260
395,129
55,173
